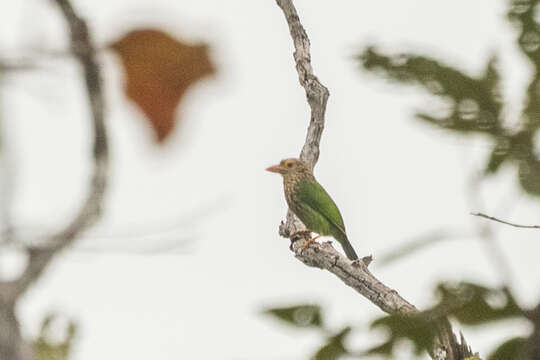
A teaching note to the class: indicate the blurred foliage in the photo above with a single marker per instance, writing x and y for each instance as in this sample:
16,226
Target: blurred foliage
159,70
508,349
300,315
475,102
419,329
334,347
47,349
468,303
472,304
310,316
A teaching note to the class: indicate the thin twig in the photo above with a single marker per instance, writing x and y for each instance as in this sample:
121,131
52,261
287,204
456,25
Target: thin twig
505,222
494,253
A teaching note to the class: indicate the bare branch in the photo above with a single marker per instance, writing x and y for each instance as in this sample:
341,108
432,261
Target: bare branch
316,94
506,222
90,210
324,256
353,273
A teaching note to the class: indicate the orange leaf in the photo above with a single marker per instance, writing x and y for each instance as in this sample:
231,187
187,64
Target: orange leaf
159,70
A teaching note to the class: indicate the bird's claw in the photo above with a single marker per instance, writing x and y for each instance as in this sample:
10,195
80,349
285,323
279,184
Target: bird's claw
305,245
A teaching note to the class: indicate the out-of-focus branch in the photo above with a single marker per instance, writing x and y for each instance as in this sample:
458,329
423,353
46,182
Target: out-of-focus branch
12,346
39,258
89,212
324,256
6,179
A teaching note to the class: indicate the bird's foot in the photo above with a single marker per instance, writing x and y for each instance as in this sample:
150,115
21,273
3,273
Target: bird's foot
305,245
300,232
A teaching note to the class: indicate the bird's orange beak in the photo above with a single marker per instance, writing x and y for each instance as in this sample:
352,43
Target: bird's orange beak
275,169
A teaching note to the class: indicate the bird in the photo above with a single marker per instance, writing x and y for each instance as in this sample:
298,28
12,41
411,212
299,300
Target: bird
310,202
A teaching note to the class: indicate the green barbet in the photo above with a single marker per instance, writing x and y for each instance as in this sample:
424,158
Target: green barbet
308,200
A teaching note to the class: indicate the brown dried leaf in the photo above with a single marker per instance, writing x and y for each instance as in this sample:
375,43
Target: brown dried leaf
159,70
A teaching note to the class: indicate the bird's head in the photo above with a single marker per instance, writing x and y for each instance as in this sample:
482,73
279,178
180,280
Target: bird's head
288,167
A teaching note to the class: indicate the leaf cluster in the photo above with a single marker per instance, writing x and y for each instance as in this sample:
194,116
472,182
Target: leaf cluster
311,316
469,304
475,103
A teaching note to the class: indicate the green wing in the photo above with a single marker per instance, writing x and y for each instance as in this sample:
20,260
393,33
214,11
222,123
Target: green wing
313,195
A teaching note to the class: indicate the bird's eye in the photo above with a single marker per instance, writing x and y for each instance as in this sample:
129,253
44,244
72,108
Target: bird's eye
289,165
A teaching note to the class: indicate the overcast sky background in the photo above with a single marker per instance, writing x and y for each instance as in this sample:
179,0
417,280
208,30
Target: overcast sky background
206,191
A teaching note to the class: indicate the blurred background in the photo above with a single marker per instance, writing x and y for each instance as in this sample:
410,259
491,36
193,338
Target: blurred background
186,260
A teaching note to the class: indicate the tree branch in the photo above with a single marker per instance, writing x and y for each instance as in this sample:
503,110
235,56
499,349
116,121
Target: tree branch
316,93
39,258
353,273
317,97
324,256
12,345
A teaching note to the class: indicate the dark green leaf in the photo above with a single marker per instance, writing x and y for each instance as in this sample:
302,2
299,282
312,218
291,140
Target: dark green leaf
529,176
419,328
300,315
508,350
522,13
334,348
477,102
45,348
473,304
499,154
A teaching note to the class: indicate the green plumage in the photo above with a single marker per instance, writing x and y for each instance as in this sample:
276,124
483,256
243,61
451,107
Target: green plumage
312,204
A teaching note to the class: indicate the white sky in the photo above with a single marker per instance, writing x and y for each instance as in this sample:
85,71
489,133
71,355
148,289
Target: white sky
393,177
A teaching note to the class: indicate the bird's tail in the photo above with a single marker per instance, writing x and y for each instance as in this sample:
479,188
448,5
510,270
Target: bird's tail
346,245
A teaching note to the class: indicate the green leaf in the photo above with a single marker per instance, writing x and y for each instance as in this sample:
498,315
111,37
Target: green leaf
529,176
452,122
508,350
305,315
477,102
334,348
498,155
46,349
473,304
469,303
418,328
522,13
492,79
